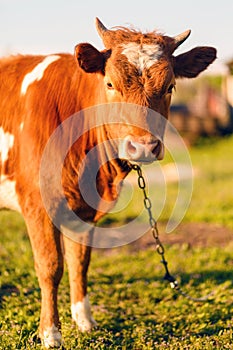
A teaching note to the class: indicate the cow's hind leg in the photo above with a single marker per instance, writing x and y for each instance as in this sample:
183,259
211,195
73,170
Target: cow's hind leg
45,241
77,256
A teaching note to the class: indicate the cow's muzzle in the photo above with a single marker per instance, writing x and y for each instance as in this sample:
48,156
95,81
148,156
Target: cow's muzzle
141,152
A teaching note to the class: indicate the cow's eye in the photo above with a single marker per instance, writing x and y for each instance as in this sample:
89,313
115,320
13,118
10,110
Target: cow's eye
110,86
170,89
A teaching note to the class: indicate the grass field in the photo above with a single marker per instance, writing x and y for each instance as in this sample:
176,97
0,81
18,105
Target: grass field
134,307
212,198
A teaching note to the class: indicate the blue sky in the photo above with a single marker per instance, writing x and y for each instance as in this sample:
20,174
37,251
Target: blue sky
49,26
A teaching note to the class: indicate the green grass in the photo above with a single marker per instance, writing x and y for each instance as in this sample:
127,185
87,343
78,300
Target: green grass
134,307
212,195
212,199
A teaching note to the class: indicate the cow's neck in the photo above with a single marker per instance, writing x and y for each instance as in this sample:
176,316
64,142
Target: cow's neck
97,175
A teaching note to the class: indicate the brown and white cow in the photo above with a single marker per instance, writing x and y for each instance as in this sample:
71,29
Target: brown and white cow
37,94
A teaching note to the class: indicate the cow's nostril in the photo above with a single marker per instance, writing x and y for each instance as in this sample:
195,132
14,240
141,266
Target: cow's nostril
134,150
158,150
156,147
131,148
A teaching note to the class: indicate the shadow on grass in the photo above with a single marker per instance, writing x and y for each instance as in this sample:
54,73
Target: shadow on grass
7,290
11,290
216,276
174,320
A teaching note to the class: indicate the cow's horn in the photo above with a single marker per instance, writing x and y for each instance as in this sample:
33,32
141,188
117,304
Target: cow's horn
102,30
104,33
179,39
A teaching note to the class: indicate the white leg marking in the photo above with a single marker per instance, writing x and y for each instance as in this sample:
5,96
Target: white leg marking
37,73
142,56
52,337
6,143
8,196
81,314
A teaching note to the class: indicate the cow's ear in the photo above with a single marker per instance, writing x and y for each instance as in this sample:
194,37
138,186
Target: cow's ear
193,62
89,58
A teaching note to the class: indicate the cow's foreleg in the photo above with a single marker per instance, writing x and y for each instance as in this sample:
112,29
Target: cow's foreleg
45,241
77,256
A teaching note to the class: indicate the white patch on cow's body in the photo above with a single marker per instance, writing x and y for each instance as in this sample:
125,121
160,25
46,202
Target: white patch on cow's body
6,143
142,56
8,196
52,337
37,73
81,314
21,126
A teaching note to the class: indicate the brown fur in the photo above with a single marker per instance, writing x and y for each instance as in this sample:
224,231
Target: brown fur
69,85
125,35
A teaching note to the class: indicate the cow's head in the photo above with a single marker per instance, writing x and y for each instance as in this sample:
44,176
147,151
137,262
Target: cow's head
141,69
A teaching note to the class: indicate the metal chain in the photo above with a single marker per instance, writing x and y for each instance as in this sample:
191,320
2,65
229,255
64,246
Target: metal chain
159,246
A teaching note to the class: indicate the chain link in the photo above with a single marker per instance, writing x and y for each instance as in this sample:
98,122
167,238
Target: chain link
155,233
148,206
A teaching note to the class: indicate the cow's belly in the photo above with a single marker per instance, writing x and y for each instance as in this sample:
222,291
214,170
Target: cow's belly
8,196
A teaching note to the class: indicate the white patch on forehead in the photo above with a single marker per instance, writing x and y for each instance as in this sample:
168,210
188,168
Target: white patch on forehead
6,143
81,314
142,56
8,196
37,73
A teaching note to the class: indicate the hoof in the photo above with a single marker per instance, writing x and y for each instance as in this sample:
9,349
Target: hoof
85,325
81,314
52,338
